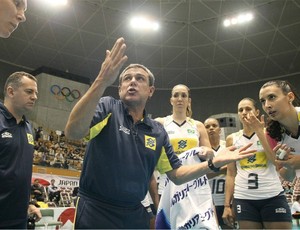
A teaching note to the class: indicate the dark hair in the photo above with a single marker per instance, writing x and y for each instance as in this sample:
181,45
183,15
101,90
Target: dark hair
15,80
274,128
286,88
252,100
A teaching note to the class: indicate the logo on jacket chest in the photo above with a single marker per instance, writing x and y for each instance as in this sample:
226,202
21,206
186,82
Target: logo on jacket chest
6,135
150,142
124,130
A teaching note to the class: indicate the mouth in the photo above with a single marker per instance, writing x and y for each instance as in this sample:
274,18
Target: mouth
272,113
14,25
131,90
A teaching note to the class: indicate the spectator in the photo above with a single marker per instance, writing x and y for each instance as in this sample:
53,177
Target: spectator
38,191
54,192
39,134
75,195
296,209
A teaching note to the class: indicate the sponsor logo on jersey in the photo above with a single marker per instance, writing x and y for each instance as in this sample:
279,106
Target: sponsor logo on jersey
30,138
182,144
259,160
6,135
190,131
124,130
252,159
258,143
150,142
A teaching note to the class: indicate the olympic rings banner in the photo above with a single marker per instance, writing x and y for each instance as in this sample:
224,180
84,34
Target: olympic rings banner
65,93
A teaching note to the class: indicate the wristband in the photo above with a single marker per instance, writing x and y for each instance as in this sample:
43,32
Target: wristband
212,166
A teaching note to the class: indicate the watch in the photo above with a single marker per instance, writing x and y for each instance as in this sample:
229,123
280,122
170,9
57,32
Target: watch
212,166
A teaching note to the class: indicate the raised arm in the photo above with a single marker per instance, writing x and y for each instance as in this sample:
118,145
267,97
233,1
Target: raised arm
258,127
187,173
81,115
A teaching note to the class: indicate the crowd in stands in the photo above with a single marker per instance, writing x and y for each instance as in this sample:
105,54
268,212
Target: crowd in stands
54,150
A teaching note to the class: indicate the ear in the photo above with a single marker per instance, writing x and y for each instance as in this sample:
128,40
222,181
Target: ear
257,112
291,96
9,91
151,90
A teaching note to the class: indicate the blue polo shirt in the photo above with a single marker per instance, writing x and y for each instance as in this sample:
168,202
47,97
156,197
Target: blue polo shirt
121,156
16,156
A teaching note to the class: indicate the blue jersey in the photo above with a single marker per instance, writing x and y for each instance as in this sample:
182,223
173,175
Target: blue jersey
122,155
16,156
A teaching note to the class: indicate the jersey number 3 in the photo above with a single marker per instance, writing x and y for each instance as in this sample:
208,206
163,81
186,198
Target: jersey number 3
252,181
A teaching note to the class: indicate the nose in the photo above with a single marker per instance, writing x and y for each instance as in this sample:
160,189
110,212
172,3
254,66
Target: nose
21,16
267,104
34,97
179,97
133,81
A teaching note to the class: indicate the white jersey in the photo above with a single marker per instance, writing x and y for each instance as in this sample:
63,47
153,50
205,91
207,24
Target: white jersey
187,206
182,137
146,202
256,177
295,207
293,143
217,184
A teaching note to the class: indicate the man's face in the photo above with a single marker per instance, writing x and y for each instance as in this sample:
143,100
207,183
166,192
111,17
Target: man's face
12,12
24,97
134,88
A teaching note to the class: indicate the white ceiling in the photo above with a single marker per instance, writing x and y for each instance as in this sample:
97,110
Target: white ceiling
192,46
